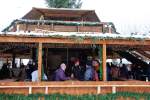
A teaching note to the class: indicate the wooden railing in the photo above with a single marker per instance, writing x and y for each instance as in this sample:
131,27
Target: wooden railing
98,87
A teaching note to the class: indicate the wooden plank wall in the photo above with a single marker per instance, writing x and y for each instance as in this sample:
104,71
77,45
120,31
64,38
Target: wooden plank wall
74,90
60,28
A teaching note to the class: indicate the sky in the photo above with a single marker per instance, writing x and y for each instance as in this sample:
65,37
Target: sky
128,15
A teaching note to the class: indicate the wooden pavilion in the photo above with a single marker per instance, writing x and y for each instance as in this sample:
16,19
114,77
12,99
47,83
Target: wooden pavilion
47,29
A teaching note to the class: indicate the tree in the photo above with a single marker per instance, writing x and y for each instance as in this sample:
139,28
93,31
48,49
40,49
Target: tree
64,3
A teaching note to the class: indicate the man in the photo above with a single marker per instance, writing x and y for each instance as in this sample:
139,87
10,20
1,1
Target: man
78,71
89,73
60,73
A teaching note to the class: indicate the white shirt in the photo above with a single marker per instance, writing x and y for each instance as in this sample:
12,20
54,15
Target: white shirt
34,75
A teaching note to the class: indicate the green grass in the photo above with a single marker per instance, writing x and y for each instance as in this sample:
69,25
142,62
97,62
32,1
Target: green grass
117,96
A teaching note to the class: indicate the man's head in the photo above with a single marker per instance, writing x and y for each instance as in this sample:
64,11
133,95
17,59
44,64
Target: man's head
88,64
77,62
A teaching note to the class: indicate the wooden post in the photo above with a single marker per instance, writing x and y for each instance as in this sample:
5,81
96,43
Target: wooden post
46,58
104,63
20,62
52,27
7,60
13,62
67,56
39,61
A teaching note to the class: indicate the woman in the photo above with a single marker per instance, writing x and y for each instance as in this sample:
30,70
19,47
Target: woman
60,73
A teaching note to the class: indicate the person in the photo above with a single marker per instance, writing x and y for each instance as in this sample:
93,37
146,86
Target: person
124,72
78,71
114,72
89,73
108,66
22,74
138,72
70,65
60,73
29,70
4,72
148,71
34,75
96,64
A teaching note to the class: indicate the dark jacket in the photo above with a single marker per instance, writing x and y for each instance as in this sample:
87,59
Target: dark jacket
78,72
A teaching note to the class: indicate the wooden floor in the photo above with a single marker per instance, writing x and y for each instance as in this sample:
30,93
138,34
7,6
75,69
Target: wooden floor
74,87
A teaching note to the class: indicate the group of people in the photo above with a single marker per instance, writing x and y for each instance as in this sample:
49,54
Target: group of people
22,73
32,72
127,72
89,72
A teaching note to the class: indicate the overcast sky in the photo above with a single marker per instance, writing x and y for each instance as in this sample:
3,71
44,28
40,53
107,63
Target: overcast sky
127,15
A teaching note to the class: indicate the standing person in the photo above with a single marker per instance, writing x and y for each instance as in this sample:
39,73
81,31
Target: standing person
124,72
60,73
22,74
89,73
29,70
148,71
108,66
96,64
78,71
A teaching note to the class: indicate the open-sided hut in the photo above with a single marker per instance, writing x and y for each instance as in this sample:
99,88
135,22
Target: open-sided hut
50,36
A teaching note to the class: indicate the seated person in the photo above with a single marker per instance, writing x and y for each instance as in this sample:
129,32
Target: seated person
78,71
34,75
59,74
4,72
89,73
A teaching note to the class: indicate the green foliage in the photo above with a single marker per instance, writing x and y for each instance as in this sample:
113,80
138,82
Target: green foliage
64,3
117,96
101,66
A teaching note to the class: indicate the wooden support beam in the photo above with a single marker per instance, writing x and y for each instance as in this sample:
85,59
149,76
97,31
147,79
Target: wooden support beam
13,61
39,61
104,62
46,59
23,39
20,62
